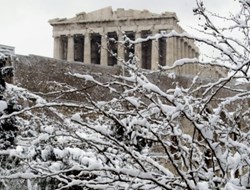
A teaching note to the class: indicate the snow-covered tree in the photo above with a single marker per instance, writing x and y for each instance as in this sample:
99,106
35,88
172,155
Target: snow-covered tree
143,136
7,106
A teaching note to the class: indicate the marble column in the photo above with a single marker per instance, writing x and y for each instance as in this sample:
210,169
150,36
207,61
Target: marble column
154,53
170,51
120,49
104,50
181,54
190,53
175,56
185,55
176,49
186,50
182,49
57,48
179,51
190,66
70,50
87,49
138,49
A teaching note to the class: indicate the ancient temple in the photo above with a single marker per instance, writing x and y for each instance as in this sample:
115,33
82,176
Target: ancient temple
92,38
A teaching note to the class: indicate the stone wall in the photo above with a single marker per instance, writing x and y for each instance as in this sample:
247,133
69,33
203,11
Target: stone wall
44,75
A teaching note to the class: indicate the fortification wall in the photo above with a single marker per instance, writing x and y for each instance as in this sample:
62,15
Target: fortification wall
44,75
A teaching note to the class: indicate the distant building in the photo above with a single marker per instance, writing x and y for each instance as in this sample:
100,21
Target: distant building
87,38
6,53
76,39
7,50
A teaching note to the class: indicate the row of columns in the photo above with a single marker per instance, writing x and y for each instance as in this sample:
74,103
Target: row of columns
176,48
182,49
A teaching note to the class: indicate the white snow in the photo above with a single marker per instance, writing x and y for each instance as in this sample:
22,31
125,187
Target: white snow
181,62
86,77
3,105
203,185
2,56
76,117
134,101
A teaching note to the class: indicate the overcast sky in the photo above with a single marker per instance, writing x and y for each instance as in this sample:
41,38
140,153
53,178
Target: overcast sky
24,23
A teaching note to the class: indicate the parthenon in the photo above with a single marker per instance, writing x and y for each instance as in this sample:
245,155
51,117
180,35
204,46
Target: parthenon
91,38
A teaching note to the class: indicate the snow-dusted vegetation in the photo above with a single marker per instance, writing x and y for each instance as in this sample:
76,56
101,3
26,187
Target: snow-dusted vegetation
143,137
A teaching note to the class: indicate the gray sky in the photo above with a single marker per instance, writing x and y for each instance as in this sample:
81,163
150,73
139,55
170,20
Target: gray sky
24,23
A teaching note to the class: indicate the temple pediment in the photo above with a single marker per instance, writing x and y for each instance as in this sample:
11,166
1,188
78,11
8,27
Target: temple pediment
108,13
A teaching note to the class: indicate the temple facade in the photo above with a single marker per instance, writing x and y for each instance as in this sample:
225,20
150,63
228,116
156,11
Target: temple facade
92,38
